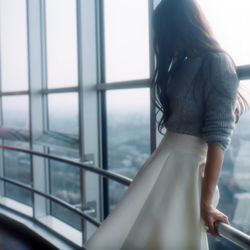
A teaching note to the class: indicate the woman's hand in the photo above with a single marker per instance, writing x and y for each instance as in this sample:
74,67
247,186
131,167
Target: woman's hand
211,216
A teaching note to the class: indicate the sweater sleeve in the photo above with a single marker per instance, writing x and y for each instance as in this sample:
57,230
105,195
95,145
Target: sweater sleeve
220,100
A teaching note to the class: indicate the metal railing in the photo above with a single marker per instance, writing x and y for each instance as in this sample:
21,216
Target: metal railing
225,231
83,165
234,235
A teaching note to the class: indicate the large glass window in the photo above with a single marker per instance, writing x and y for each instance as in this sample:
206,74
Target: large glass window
63,113
16,111
61,43
230,21
128,129
13,41
126,40
65,184
17,166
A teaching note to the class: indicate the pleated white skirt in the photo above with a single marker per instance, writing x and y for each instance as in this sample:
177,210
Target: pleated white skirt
161,208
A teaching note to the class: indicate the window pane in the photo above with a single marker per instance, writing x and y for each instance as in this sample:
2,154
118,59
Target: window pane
231,27
63,113
65,184
126,40
13,42
61,43
17,166
16,112
128,134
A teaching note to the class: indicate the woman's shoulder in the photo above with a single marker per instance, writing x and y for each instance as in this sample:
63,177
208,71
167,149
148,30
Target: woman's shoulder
219,73
217,62
218,58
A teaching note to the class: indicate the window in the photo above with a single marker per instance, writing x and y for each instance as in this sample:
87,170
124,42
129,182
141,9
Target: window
231,26
61,43
17,166
15,108
126,40
39,66
16,111
128,131
63,113
14,55
65,184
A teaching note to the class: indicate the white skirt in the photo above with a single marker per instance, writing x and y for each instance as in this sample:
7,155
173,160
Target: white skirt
161,208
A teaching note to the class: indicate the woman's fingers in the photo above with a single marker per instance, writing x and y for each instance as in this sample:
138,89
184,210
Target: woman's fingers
211,226
222,218
219,218
212,218
225,219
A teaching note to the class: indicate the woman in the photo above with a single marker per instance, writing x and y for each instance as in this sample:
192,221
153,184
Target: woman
168,204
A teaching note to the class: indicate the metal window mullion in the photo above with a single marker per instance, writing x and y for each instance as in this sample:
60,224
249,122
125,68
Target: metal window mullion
158,135
46,91
36,79
14,93
131,84
1,123
45,113
101,106
152,68
102,112
81,113
87,77
29,96
243,72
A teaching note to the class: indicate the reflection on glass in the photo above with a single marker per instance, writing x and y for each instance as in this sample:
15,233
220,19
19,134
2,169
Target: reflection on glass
231,27
128,114
17,166
63,113
13,56
65,184
16,111
61,43
126,40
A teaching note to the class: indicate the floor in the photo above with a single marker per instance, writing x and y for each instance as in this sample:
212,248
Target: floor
13,238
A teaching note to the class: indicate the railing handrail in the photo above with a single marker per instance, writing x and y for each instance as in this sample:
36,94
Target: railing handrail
234,235
53,198
86,166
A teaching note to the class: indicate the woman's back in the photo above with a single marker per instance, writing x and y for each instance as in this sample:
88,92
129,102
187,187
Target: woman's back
201,97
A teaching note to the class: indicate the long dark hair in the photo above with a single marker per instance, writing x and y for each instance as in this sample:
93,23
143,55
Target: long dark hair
180,28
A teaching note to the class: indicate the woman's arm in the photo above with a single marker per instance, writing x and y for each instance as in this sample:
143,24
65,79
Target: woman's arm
209,213
220,92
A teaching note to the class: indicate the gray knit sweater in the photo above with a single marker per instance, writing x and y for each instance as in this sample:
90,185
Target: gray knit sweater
202,98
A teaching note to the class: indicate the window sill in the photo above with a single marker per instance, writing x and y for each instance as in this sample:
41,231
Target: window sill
17,206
